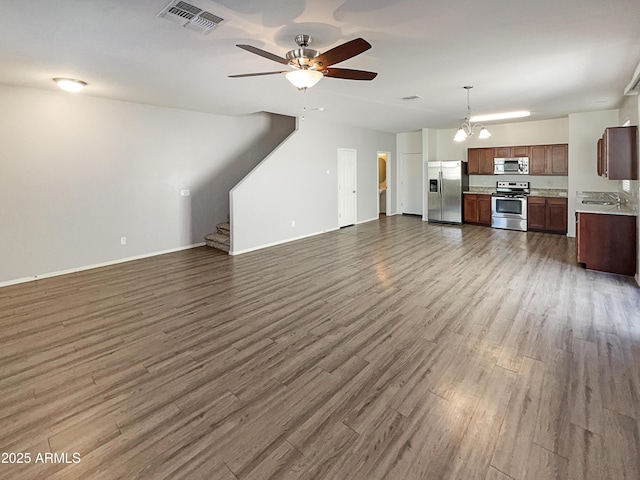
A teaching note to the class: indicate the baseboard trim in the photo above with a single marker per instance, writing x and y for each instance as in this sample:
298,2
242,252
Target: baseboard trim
96,265
280,242
369,220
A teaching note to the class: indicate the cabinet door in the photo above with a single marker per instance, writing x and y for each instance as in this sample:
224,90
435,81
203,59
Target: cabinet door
621,152
607,242
536,213
556,215
486,161
600,157
603,153
538,160
473,161
558,159
484,209
522,151
470,208
502,152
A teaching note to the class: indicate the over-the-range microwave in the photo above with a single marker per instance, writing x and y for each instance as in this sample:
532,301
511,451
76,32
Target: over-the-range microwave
511,166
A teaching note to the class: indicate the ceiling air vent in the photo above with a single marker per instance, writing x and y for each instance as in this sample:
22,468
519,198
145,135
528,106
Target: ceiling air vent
190,16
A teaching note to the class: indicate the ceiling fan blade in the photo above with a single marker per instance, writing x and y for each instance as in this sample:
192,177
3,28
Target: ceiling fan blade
349,74
263,53
257,74
342,52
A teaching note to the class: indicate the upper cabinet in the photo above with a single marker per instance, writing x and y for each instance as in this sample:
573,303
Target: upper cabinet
480,161
618,153
543,159
549,160
511,152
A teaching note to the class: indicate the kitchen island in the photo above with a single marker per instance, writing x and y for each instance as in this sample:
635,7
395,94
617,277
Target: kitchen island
606,233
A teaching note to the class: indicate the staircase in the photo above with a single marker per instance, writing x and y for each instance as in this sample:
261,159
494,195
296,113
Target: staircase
221,239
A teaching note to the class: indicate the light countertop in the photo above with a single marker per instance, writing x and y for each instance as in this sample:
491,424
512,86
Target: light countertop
606,209
535,192
615,209
548,192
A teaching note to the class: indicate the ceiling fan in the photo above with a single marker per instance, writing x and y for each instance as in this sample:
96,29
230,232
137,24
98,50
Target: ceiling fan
309,65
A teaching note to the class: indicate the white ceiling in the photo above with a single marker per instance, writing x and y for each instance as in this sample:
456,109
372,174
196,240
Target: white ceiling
552,57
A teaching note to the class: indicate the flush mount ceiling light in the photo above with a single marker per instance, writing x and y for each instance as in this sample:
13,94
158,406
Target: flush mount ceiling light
499,116
303,79
467,129
70,84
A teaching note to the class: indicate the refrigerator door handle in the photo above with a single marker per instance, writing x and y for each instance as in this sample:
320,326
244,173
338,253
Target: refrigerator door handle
440,180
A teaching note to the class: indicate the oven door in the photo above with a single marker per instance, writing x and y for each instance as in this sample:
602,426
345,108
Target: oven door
509,213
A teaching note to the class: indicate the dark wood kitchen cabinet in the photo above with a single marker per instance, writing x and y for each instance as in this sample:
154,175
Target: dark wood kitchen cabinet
547,214
512,152
480,161
549,160
618,153
477,208
607,243
543,159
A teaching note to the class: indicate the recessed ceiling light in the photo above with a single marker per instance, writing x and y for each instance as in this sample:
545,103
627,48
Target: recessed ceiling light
70,84
499,116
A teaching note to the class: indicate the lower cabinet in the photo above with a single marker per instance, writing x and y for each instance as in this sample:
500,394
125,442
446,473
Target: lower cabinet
477,208
547,214
607,242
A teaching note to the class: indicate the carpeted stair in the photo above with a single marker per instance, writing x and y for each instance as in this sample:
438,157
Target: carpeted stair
221,239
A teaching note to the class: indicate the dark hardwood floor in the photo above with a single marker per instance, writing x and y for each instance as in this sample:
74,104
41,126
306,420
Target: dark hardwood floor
392,350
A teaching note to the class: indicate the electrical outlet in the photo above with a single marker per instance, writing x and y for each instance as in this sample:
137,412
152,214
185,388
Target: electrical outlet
293,223
185,192
123,240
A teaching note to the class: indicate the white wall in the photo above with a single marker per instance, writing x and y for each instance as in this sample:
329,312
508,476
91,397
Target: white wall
79,172
584,131
299,183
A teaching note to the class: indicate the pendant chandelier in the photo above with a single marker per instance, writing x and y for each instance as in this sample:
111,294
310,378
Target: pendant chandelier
467,129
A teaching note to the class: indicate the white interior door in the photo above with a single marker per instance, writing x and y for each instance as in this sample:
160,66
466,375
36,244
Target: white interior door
411,184
347,193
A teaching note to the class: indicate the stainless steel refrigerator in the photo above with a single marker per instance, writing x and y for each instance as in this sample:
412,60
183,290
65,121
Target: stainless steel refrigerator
446,181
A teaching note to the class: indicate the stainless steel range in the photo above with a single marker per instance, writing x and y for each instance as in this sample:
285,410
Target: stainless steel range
509,206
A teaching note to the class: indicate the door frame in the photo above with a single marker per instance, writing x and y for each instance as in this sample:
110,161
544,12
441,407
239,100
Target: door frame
387,194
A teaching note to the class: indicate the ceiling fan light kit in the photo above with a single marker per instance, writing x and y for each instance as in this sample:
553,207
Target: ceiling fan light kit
309,65
303,79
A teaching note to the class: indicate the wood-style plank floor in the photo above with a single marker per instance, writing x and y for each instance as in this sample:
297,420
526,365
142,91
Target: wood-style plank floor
394,350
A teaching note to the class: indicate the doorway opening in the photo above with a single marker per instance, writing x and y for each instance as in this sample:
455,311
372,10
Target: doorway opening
383,186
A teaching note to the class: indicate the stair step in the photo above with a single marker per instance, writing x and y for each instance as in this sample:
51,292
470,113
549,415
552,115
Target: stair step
219,238
218,241
224,228
218,246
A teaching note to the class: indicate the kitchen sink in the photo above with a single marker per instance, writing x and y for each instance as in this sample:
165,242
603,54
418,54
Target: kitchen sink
598,202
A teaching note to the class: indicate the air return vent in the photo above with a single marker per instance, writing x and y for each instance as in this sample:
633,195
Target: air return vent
190,16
